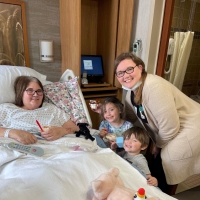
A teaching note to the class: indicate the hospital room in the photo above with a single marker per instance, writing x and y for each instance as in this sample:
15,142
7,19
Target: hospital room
99,99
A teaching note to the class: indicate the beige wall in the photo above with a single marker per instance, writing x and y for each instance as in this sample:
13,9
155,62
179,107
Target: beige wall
43,23
147,25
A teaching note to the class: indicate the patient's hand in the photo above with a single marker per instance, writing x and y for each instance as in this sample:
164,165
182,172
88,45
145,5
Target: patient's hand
23,137
54,133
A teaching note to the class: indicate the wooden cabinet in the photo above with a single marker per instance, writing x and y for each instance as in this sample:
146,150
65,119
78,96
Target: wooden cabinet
95,27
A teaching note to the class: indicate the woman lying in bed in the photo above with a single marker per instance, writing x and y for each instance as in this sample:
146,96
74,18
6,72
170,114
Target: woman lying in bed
18,120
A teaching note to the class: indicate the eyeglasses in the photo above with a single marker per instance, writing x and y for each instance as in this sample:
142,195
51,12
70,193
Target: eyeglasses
129,70
30,91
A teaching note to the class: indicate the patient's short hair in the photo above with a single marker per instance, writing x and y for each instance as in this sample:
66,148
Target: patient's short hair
21,84
140,134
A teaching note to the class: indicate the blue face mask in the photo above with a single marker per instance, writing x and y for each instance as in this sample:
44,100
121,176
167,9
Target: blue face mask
134,87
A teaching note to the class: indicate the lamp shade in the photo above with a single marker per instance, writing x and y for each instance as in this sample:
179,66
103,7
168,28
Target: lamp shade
46,50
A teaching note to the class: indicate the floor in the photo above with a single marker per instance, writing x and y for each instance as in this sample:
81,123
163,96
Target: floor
191,194
189,189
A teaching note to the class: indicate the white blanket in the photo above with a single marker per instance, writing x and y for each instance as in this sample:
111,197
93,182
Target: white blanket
62,172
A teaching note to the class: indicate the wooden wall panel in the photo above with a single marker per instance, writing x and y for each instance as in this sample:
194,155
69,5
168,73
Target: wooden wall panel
89,14
70,31
107,35
124,29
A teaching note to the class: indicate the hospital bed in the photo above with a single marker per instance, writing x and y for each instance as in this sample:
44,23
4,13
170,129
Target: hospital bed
69,164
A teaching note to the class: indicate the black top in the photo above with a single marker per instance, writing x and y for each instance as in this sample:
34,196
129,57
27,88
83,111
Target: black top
140,110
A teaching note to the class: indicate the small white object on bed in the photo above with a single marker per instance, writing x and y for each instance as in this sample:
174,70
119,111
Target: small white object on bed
65,171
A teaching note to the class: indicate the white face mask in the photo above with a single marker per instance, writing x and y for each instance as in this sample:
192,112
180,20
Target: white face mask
134,87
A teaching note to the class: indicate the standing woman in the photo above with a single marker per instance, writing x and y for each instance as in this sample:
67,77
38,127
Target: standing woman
170,117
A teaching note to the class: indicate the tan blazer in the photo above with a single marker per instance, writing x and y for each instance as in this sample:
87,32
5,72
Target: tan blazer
174,121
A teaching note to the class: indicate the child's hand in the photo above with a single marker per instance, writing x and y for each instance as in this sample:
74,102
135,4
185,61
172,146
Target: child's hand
113,145
98,109
103,132
152,180
156,151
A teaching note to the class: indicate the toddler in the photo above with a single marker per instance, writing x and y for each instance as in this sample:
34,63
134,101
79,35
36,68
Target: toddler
136,140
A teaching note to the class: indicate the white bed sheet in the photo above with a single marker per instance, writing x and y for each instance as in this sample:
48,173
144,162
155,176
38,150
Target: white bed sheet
63,173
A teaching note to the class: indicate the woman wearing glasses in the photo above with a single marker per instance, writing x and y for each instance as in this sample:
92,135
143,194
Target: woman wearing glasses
170,117
18,120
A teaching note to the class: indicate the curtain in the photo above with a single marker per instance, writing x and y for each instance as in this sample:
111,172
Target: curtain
179,60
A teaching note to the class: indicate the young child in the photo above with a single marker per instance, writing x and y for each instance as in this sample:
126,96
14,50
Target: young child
136,140
112,114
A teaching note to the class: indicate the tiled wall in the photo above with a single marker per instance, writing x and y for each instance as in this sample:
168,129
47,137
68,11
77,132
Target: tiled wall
43,22
182,21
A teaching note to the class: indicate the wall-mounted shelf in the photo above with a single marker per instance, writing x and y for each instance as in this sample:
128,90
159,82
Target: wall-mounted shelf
90,96
98,89
99,92
89,85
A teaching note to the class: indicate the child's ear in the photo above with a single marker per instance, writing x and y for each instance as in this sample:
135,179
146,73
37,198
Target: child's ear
143,148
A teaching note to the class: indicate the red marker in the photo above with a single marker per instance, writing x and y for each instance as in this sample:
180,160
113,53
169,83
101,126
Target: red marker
38,123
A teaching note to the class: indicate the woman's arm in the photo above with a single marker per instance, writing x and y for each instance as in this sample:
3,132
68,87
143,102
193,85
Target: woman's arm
70,125
21,136
159,103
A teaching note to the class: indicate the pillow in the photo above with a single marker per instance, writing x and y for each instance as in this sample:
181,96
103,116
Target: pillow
46,82
65,95
8,74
